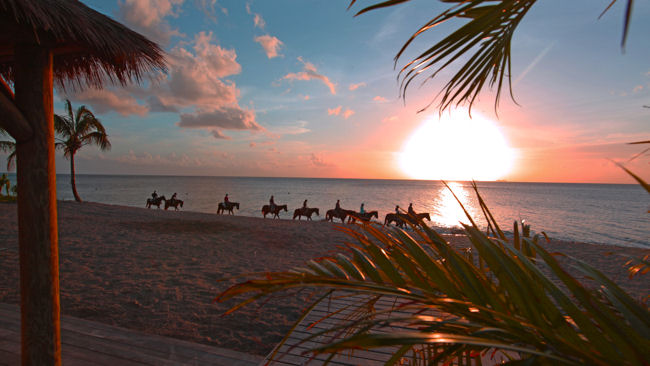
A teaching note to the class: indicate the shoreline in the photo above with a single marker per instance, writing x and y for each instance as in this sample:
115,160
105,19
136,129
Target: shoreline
158,271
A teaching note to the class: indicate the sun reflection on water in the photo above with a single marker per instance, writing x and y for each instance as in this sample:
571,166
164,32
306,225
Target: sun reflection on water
447,212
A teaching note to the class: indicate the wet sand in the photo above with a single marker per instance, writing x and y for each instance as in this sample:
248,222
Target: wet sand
158,271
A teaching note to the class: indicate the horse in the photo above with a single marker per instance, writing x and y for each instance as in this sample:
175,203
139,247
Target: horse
266,209
173,203
396,218
339,214
305,211
415,221
227,206
353,216
155,201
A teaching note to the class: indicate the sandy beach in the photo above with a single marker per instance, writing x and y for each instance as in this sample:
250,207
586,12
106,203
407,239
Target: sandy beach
158,271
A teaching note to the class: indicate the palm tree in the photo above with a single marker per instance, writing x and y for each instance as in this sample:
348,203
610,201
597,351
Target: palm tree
8,147
75,131
484,42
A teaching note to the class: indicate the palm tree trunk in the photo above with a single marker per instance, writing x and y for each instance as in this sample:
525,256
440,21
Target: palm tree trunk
37,216
72,180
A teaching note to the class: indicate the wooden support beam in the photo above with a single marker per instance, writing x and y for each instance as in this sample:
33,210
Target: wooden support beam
13,120
37,215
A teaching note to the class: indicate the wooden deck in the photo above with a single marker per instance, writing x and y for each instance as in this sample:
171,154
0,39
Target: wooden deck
293,351
86,342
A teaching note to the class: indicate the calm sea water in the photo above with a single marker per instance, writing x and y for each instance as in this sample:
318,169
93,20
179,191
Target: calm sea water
598,213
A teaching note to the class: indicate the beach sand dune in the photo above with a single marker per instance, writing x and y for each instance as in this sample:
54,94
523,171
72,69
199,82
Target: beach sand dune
159,271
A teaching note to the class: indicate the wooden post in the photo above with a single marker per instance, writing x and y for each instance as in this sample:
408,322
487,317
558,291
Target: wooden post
37,216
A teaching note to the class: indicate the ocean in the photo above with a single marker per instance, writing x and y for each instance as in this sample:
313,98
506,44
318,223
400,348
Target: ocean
615,214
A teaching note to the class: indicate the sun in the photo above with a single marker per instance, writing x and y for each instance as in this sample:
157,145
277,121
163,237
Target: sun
456,147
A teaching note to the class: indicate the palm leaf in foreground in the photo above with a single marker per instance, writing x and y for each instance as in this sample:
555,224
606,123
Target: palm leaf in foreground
481,47
505,304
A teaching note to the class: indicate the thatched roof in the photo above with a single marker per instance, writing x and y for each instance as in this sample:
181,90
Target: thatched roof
89,47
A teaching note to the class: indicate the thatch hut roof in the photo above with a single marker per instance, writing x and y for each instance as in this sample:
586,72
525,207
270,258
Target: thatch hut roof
89,48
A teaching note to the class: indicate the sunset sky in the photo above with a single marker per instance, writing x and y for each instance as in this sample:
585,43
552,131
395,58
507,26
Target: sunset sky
305,89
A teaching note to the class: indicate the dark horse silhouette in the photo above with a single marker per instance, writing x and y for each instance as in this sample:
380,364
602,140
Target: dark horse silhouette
353,216
227,206
266,209
175,202
305,211
339,214
155,201
417,220
394,218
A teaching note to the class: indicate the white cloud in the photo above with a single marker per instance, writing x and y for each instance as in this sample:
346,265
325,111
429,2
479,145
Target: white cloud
148,17
356,86
310,73
270,44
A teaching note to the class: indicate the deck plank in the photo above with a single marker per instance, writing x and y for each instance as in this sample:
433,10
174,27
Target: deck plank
85,342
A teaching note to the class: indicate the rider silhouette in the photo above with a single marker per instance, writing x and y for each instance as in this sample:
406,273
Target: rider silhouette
362,210
272,203
225,199
304,204
154,195
397,209
411,210
338,205
173,196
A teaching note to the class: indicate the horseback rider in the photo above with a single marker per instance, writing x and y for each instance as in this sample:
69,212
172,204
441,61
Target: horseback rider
173,197
338,205
225,200
304,204
362,210
154,195
397,209
411,211
272,204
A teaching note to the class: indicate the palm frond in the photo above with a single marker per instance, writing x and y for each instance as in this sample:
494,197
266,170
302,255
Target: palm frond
482,48
508,304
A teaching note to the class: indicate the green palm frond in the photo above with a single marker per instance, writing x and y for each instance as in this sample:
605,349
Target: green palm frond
79,128
481,46
508,303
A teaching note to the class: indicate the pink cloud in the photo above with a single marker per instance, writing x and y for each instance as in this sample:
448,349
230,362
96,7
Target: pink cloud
311,73
336,111
229,118
637,89
148,17
348,113
319,161
196,76
217,134
356,86
107,100
379,99
389,119
270,44
306,97
258,21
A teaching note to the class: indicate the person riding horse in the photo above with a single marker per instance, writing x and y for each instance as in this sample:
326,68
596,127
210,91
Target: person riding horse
272,204
362,209
154,195
304,204
173,197
411,211
225,199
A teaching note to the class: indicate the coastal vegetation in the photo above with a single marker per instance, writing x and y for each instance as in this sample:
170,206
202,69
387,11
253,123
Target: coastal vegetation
75,131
